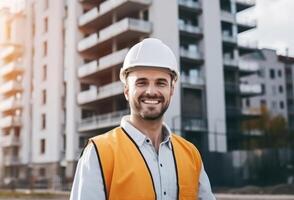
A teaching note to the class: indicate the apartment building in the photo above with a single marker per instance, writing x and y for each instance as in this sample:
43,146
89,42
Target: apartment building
206,107
275,77
288,63
75,50
14,98
272,78
45,46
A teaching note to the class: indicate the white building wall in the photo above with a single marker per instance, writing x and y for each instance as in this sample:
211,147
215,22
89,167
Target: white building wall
54,83
215,99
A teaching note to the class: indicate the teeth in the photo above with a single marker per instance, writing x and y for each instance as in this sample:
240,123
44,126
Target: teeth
151,101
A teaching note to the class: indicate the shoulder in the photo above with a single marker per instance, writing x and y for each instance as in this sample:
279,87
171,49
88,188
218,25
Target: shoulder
176,139
108,136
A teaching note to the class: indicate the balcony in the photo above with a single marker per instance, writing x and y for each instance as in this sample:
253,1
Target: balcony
244,4
194,124
125,30
10,140
90,72
228,38
249,90
10,52
190,5
251,112
245,25
102,121
194,82
10,121
10,104
10,160
98,93
98,18
88,4
229,61
246,47
227,16
11,87
12,70
190,29
248,67
191,54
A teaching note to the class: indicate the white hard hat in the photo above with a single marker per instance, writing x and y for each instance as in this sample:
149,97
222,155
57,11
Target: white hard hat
150,52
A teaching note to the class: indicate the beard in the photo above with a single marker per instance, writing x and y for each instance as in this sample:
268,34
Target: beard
149,112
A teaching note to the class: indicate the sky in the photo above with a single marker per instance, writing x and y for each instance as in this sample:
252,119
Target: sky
275,25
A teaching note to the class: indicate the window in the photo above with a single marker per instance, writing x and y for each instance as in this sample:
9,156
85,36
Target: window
280,73
274,105
263,90
262,102
248,102
44,72
42,172
43,121
272,73
281,104
45,50
281,89
42,146
44,96
45,24
261,72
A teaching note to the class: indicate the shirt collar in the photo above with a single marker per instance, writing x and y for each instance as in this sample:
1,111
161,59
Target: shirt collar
139,137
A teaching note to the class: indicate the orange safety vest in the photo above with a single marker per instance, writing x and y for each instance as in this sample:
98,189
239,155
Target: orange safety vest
125,172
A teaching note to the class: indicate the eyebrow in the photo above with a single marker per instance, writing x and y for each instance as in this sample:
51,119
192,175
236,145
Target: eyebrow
158,80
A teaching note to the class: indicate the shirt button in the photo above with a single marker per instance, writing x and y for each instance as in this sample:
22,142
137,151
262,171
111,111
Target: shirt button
160,165
147,140
164,193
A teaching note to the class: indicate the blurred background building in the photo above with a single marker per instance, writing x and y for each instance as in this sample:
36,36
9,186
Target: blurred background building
64,87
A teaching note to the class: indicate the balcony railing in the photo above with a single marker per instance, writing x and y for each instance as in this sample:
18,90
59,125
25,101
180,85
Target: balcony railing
191,54
13,67
189,4
227,16
227,37
10,104
247,2
11,86
10,140
102,121
127,24
10,121
103,63
11,160
97,93
10,51
248,66
98,17
189,28
248,44
194,124
251,111
229,61
250,89
187,80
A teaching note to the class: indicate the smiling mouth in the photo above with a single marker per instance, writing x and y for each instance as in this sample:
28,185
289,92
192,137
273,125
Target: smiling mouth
151,102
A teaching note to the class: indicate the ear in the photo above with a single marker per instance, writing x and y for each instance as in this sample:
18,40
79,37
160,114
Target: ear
172,88
126,91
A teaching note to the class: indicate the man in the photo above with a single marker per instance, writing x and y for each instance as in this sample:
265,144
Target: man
142,159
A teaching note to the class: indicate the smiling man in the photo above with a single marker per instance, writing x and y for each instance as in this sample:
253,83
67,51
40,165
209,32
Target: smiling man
141,159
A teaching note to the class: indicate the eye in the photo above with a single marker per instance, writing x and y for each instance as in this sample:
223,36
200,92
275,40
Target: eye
162,84
140,83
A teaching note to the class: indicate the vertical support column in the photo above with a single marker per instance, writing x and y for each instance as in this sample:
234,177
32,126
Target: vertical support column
215,91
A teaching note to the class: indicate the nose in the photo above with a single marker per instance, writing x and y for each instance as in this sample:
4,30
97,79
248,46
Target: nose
151,90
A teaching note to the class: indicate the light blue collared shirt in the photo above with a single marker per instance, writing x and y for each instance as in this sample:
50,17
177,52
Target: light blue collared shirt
89,186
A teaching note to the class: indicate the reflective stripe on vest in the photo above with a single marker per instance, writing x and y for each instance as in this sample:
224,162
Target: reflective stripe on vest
125,172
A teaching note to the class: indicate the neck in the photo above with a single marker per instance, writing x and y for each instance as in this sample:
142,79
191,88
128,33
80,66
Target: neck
151,128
